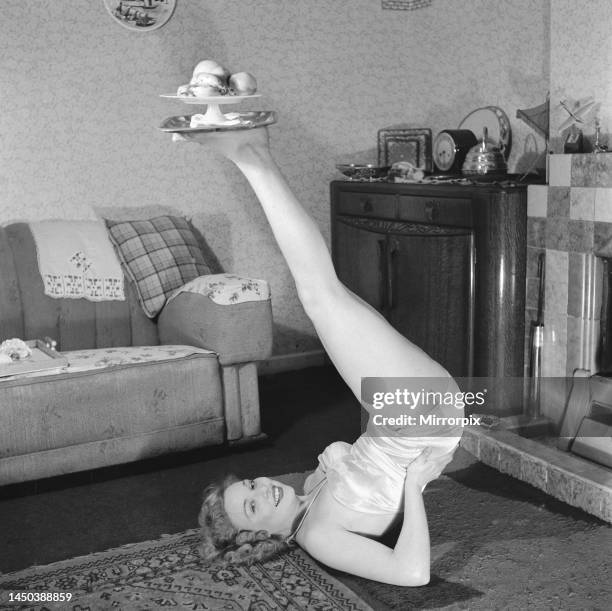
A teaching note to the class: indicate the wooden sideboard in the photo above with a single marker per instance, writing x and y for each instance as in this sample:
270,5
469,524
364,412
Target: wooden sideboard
445,264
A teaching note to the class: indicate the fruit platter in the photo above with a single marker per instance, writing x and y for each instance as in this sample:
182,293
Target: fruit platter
214,86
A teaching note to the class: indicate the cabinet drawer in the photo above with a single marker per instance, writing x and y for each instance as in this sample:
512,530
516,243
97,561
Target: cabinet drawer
439,210
380,205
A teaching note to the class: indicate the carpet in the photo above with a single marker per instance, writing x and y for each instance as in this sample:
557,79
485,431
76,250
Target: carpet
169,573
497,543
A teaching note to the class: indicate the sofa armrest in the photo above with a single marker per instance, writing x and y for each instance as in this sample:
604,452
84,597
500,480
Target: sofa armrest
222,312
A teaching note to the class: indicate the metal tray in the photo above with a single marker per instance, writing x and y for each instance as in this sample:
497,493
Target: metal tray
248,120
42,359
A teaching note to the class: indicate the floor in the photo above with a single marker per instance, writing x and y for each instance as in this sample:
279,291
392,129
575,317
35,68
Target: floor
64,517
514,447
499,540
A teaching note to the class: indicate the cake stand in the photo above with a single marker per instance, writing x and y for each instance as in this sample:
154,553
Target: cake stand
214,118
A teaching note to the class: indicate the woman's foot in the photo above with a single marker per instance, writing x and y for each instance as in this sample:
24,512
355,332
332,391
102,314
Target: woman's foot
240,145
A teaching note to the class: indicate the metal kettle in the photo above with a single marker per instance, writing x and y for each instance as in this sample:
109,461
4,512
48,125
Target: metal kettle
486,157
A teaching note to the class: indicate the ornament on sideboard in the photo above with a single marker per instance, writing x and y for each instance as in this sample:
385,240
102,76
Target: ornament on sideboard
581,113
574,141
598,146
537,117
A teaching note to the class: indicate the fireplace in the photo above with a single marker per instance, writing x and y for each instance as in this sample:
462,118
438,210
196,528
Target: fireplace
570,220
586,427
603,353
570,223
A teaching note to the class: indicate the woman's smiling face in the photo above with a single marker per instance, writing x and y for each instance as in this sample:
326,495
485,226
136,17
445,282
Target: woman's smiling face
262,504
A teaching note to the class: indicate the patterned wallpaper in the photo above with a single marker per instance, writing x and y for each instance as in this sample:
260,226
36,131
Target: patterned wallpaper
581,62
79,106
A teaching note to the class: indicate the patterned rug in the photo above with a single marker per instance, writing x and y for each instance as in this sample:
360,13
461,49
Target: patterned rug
168,573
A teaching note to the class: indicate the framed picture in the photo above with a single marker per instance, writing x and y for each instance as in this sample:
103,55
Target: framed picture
411,144
140,15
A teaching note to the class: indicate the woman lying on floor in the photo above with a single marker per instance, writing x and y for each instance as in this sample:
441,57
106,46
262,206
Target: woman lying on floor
358,491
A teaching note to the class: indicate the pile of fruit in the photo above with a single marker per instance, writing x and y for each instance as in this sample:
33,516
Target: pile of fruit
211,79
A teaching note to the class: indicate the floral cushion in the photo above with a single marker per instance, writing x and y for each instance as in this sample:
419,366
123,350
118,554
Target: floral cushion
227,289
158,255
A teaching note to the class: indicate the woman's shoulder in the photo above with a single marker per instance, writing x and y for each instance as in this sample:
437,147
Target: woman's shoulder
334,452
321,517
330,457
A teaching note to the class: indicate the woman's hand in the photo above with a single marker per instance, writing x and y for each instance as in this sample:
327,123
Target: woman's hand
422,470
240,145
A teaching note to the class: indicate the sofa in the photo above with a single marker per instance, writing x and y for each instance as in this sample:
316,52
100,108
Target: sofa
135,385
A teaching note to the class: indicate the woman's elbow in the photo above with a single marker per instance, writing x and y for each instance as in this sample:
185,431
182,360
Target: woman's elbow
422,579
414,579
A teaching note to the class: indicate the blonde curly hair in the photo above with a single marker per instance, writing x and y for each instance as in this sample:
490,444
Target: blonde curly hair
223,542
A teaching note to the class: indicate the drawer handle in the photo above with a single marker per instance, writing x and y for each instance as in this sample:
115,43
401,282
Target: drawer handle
391,250
383,258
430,210
367,206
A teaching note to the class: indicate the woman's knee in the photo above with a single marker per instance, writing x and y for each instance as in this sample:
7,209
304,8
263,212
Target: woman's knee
311,302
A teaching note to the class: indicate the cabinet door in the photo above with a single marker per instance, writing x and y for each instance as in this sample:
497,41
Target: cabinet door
360,258
431,296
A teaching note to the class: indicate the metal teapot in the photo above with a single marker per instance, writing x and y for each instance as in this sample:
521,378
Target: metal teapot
486,157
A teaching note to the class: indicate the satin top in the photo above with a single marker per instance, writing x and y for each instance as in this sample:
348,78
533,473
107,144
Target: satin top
368,475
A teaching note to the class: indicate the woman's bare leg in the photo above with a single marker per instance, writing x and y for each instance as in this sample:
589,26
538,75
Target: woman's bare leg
358,340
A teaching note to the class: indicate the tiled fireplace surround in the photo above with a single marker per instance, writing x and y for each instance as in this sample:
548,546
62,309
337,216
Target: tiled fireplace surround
570,220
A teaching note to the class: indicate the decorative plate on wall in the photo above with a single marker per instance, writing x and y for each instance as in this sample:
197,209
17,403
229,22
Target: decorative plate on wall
140,15
411,144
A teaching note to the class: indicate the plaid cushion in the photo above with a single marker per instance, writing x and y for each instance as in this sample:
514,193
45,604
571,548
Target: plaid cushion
159,255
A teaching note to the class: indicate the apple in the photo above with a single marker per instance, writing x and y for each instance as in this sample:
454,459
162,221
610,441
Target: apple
210,66
242,83
205,85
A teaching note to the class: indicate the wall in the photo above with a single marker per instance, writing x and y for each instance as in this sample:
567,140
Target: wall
580,61
79,101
